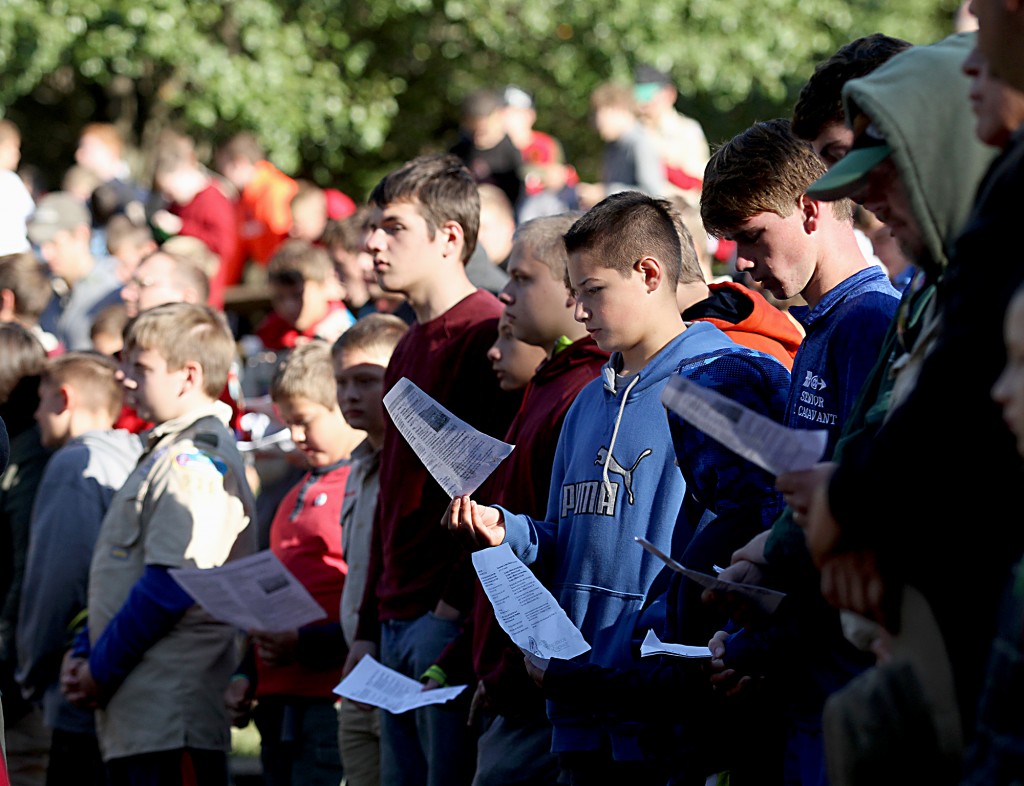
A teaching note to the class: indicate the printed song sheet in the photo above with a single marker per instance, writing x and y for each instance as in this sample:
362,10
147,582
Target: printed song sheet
458,456
652,645
761,440
371,683
526,611
253,593
766,599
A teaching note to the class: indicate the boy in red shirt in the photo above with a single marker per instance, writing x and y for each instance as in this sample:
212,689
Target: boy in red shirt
296,670
422,229
305,296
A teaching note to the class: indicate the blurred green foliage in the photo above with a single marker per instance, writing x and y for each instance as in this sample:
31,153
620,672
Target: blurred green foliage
340,92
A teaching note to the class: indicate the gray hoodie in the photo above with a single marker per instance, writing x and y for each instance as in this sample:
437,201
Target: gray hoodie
74,494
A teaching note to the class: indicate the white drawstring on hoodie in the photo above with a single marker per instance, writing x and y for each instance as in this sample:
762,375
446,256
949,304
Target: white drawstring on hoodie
610,383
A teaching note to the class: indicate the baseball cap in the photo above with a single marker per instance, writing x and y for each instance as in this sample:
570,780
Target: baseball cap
517,98
56,212
647,81
848,174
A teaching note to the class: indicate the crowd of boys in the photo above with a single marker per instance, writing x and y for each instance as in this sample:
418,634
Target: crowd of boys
121,406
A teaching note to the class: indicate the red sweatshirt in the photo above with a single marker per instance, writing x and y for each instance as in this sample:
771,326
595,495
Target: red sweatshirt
414,562
521,483
306,536
210,216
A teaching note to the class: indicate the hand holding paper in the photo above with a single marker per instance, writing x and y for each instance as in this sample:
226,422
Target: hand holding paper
652,645
766,599
477,526
371,683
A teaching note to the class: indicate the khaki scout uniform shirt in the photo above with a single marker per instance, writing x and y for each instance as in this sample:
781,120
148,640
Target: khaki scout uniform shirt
186,504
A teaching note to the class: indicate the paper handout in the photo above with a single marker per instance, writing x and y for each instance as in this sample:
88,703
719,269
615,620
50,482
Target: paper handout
458,456
371,683
253,593
526,611
768,444
652,645
766,599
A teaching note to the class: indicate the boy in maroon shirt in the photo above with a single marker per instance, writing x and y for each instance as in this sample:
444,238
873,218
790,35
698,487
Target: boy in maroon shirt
421,231
515,745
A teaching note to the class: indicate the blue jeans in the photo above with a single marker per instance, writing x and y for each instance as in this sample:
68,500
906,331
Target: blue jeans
430,746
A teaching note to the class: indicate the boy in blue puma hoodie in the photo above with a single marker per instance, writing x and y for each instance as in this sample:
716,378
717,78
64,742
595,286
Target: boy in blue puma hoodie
614,475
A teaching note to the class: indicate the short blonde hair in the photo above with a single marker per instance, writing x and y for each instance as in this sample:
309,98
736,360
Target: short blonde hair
92,375
372,333
183,332
542,238
306,373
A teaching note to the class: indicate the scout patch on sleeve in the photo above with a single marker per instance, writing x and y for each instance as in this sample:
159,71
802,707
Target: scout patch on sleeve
196,460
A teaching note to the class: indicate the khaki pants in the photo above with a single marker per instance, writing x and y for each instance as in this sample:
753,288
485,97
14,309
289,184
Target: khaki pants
359,743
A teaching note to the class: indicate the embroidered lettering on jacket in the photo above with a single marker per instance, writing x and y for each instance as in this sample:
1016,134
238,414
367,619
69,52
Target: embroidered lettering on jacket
812,405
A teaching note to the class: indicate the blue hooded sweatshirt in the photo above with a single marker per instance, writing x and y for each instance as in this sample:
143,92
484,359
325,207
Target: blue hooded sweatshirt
844,332
614,477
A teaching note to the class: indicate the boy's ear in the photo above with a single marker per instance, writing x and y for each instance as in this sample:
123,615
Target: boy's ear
68,397
6,305
454,236
811,210
194,373
650,268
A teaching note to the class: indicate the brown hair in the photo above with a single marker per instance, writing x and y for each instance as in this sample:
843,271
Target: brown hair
372,333
174,152
626,227
110,321
296,261
821,100
23,361
92,375
307,373
684,216
25,277
123,232
613,95
348,232
765,169
442,189
183,332
244,146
